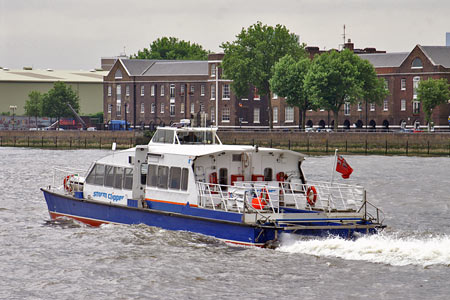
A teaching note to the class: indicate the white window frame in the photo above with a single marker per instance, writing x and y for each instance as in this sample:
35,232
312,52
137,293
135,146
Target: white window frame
152,90
110,108
202,90
347,109
359,106
142,90
119,92
226,91
213,115
274,96
118,107
127,108
403,105
385,105
372,106
226,112
172,111
213,92
256,115
213,70
127,91
142,108
192,108
416,81
172,91
109,91
152,108
182,108
162,90
162,108
288,114
403,84
275,114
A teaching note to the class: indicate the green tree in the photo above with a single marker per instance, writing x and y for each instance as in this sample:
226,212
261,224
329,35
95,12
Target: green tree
288,81
339,77
54,103
249,60
431,93
33,106
172,48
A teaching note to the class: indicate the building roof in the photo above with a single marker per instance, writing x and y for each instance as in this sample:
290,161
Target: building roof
147,67
438,55
51,76
379,60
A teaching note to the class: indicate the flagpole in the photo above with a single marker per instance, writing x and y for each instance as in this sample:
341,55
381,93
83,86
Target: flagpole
333,167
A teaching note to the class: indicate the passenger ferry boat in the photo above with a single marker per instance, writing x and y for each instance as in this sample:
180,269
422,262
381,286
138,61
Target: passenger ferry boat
186,179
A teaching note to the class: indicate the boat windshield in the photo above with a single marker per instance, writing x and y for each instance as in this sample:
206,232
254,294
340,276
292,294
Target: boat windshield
163,136
195,137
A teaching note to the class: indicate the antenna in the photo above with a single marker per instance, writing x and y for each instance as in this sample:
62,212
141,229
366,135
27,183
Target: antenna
344,34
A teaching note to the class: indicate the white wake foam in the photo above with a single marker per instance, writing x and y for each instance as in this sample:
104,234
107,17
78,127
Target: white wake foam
386,249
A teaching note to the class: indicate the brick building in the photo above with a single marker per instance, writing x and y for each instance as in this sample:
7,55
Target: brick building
147,93
402,73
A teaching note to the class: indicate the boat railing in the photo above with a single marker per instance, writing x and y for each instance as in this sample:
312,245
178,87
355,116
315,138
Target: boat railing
68,181
270,195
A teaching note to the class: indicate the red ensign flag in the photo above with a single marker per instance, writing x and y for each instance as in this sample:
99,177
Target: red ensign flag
343,167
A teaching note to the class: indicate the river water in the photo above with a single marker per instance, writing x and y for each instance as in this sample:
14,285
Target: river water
43,259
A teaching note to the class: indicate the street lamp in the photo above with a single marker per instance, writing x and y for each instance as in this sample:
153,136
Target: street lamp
13,108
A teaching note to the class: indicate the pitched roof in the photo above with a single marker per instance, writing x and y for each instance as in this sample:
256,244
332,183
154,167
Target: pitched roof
379,60
146,67
439,55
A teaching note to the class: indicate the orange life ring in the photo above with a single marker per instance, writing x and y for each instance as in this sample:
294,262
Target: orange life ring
66,183
261,201
311,195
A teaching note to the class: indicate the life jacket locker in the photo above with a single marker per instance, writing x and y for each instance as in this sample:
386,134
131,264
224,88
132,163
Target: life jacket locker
236,178
257,177
280,176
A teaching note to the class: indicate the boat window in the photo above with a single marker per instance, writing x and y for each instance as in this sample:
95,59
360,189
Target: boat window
163,136
236,157
268,174
223,176
163,174
118,177
96,175
175,178
128,179
152,176
109,176
195,137
143,173
184,179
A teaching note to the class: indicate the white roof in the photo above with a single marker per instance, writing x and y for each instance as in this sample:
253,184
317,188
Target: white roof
52,76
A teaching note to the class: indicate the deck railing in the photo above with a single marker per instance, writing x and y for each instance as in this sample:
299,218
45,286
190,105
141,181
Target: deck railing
270,196
68,180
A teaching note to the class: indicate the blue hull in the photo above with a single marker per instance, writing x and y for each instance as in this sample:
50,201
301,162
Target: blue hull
227,226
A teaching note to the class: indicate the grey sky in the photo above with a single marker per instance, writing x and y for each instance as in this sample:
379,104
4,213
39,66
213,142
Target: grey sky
75,34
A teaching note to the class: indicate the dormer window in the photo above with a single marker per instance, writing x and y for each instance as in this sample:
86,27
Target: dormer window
118,74
417,64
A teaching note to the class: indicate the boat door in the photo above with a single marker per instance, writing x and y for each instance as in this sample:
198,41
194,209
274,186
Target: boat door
140,174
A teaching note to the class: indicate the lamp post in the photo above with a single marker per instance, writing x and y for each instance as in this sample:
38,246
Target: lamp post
126,124
13,108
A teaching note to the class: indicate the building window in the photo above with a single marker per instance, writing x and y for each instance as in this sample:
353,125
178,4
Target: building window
192,89
202,107
172,109
416,107
142,108
202,90
256,115
172,91
403,105
182,89
416,81
118,107
192,107
372,106
288,114
275,114
162,108
213,92
386,84
255,94
109,108
347,108
118,74
152,90
386,105
403,84
127,91
142,90
213,70
213,115
119,92
182,108
417,63
274,96
226,92
109,91
152,108
359,106
127,108
162,90
226,115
